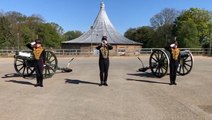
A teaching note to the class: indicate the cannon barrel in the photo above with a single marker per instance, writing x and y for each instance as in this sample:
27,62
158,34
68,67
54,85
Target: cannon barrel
24,55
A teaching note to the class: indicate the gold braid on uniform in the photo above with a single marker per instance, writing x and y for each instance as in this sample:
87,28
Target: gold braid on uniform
37,52
104,52
175,53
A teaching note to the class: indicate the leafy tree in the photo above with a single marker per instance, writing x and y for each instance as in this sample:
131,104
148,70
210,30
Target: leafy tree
70,35
163,24
18,28
206,43
5,33
194,17
144,35
49,35
131,34
58,28
188,35
15,28
162,36
150,37
166,17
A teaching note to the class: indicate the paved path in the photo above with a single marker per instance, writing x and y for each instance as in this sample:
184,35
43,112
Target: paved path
129,96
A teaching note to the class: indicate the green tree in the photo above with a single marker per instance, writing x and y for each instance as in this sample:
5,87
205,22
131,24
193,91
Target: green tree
58,28
5,33
18,28
131,34
194,17
163,23
49,34
144,35
187,37
70,35
162,36
141,34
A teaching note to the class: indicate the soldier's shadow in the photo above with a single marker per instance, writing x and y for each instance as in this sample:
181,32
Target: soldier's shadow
13,75
146,81
142,74
74,81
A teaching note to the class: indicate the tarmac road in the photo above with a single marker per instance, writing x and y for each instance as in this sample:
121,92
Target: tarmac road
130,95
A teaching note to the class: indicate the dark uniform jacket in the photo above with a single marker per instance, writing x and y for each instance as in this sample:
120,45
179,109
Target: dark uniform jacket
104,51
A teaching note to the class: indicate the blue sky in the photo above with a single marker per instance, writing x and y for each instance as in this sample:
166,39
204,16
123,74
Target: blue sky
80,14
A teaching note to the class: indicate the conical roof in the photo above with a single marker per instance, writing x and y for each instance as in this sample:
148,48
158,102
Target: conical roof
102,27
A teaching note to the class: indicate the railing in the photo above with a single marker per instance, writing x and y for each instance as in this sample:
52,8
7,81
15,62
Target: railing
78,52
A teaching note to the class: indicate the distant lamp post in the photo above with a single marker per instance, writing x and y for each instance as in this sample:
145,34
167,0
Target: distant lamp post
210,43
210,29
18,40
91,39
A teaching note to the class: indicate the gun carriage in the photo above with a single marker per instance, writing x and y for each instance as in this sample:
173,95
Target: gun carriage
159,62
24,66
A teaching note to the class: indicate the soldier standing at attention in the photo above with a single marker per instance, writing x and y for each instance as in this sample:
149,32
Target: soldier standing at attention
174,61
39,55
104,48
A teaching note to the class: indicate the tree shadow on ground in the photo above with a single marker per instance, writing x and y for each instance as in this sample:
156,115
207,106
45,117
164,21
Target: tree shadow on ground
20,82
74,81
146,81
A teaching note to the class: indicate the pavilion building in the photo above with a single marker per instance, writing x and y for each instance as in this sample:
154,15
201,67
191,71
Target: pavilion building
102,26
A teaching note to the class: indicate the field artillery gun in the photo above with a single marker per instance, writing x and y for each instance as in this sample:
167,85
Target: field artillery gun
24,65
159,62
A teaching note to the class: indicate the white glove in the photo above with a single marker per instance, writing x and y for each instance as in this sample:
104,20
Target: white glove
172,45
32,43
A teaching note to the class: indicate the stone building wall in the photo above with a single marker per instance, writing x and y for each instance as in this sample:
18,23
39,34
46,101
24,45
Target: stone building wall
119,50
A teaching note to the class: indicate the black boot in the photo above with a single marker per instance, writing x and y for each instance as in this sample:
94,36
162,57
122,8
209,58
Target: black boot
101,83
37,84
174,83
174,79
41,82
171,81
105,83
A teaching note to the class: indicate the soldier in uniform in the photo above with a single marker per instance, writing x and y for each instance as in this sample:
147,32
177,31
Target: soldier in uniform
174,61
39,55
104,48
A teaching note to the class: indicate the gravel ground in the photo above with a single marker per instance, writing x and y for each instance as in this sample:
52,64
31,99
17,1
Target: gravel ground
131,95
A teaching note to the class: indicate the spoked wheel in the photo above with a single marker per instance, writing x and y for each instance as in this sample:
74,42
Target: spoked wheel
51,64
158,63
23,67
185,62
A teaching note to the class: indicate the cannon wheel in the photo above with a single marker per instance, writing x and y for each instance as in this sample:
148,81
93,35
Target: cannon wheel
158,63
23,67
185,63
51,64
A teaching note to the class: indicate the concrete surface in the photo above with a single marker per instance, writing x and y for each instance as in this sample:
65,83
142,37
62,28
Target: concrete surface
130,95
